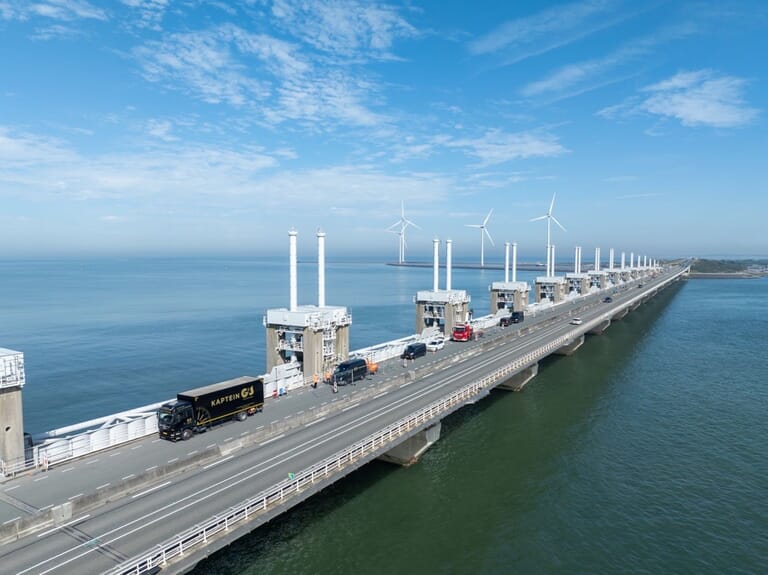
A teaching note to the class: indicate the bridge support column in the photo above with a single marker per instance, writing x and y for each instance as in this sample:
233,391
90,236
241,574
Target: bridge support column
636,305
518,381
409,451
601,327
571,348
621,314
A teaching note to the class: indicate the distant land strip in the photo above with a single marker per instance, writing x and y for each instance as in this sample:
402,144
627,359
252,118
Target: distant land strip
494,266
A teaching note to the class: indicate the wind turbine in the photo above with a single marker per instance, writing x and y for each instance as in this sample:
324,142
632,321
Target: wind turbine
550,218
403,222
483,233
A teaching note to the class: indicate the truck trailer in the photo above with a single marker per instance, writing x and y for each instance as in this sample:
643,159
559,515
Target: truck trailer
196,410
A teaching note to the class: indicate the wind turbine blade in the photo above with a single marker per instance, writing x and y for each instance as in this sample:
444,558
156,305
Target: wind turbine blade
537,219
487,233
409,222
402,209
554,219
473,225
488,217
551,205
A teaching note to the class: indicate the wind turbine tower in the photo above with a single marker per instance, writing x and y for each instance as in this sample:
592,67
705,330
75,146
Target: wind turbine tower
550,287
550,218
402,224
483,232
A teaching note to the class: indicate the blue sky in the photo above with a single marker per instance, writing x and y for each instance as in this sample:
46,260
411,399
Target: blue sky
163,126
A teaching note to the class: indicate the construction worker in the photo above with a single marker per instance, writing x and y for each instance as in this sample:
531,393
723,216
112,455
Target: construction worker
315,379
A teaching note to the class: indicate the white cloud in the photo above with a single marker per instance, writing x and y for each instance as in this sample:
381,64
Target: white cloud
21,150
261,75
34,165
344,27
150,12
695,98
66,10
580,77
161,129
700,99
547,30
203,64
497,147
190,178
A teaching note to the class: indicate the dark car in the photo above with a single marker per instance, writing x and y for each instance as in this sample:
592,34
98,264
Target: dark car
414,350
350,370
608,299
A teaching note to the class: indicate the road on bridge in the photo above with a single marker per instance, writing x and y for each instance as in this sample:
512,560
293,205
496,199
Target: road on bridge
104,536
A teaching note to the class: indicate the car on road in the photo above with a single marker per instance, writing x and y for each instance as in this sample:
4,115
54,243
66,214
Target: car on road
435,344
608,299
577,321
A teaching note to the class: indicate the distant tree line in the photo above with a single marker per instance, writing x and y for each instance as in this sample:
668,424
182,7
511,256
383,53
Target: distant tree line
725,266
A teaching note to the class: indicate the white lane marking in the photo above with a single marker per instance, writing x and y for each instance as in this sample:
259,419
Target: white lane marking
41,478
271,440
67,469
315,421
92,462
151,489
74,497
114,454
11,488
12,520
44,533
132,475
215,463
103,486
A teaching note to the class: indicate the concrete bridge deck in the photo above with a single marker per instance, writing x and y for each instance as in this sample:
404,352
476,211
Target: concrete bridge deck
110,512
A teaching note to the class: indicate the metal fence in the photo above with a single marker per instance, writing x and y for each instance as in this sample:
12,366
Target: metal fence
367,448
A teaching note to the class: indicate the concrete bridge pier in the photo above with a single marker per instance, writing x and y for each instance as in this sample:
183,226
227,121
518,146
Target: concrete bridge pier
570,349
621,314
635,305
408,452
601,327
518,381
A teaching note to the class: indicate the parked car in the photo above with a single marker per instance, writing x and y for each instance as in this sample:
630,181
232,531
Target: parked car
414,350
435,344
577,321
349,371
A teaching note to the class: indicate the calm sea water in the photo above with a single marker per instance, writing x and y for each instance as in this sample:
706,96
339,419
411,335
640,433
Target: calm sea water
645,452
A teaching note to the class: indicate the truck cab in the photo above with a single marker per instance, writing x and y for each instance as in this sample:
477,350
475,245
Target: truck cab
176,420
462,332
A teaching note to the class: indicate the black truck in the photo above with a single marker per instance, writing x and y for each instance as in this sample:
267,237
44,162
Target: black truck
196,410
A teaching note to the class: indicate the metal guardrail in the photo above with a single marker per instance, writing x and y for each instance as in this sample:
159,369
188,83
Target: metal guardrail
278,494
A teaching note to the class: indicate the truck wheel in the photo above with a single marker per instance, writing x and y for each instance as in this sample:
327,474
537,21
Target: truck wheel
241,416
186,434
